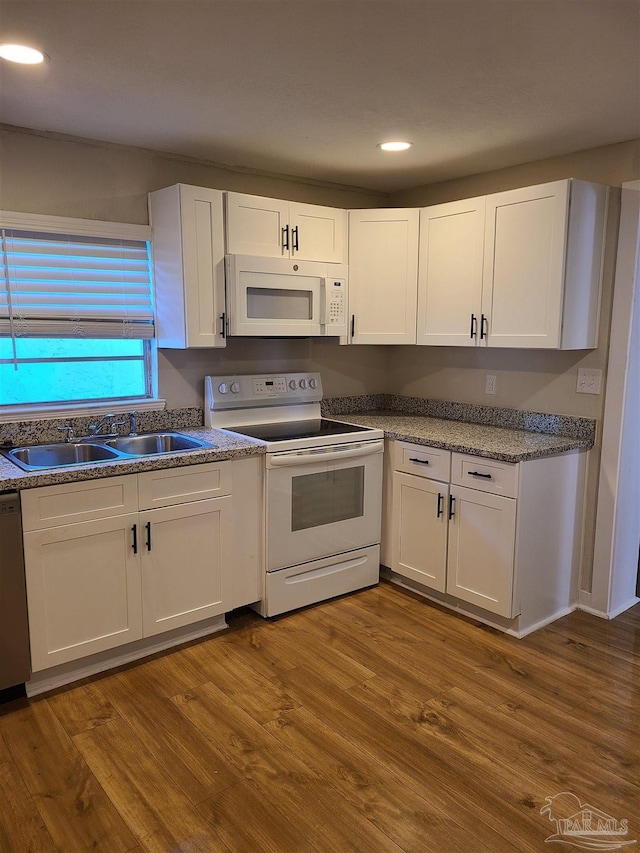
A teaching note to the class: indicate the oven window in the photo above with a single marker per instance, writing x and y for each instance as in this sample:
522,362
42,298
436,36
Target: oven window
325,498
271,303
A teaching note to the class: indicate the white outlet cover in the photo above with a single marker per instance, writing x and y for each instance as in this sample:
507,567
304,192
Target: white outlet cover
491,383
589,381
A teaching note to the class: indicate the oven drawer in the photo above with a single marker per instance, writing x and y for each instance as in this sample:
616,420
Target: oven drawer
297,586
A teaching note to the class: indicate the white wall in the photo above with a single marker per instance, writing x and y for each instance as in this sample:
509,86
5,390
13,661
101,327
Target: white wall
48,173
617,537
346,371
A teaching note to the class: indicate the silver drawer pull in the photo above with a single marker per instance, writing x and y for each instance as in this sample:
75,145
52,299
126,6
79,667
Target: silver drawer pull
478,474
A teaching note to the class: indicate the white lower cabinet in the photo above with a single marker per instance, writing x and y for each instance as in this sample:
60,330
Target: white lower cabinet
83,589
185,562
420,529
485,536
481,540
93,585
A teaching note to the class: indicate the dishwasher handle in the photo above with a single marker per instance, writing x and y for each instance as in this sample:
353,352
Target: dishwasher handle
323,454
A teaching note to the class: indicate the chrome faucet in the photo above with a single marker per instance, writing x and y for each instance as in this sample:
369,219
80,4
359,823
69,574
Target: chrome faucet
68,430
95,429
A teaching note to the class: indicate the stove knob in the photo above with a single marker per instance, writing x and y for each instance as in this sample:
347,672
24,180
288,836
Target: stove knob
303,384
313,383
293,384
222,388
235,388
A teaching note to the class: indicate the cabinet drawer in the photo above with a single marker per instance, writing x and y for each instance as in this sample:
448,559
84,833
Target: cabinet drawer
430,462
169,486
486,475
53,506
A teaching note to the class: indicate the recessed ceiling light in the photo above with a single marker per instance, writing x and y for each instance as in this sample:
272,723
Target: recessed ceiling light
21,53
395,146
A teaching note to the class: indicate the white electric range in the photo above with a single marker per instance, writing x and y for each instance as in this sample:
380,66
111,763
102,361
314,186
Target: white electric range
323,486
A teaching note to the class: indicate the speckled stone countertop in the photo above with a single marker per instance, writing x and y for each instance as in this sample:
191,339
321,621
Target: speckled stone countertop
497,433
493,442
227,446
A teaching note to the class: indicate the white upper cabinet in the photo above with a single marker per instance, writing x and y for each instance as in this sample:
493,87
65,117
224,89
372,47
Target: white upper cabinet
450,273
525,239
318,233
188,261
272,228
531,280
383,275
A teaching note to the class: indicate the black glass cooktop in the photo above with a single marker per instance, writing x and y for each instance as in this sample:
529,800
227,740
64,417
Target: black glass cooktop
298,429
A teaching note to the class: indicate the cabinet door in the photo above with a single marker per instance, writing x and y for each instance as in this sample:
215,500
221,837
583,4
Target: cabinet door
257,226
419,540
318,233
83,589
203,258
480,562
383,275
186,564
525,243
450,273
188,262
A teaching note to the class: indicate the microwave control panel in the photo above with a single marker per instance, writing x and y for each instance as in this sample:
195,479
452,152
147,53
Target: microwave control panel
335,313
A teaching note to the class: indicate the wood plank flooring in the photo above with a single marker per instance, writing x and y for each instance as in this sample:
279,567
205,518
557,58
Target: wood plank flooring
375,722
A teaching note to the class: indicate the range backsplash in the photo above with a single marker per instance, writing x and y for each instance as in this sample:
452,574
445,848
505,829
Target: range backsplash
31,432
565,425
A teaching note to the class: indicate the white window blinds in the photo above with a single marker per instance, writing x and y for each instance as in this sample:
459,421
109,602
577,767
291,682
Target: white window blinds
66,285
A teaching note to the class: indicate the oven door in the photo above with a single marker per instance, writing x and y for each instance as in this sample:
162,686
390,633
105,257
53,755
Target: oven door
323,501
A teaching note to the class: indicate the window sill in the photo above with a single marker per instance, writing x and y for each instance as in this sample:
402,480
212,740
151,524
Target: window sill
51,411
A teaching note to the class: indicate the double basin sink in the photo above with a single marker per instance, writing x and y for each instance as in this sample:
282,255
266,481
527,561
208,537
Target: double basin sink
38,457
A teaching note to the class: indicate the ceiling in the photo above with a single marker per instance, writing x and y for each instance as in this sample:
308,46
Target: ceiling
309,87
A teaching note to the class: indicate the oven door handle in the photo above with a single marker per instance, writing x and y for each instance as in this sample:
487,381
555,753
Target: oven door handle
308,457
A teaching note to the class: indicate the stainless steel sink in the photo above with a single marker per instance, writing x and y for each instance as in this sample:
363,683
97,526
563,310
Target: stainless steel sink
38,457
56,455
150,443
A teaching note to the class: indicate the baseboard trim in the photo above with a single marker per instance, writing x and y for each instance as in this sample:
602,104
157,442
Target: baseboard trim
50,679
507,626
564,611
611,614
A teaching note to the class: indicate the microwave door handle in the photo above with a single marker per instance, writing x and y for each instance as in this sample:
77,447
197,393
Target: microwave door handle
286,460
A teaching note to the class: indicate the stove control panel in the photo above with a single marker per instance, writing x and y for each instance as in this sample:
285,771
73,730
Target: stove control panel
244,392
267,387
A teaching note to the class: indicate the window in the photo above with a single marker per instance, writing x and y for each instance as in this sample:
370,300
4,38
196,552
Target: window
64,370
76,312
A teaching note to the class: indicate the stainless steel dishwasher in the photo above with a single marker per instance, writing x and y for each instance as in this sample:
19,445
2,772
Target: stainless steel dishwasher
15,662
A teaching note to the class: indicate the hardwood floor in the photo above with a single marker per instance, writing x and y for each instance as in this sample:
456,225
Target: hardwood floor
376,722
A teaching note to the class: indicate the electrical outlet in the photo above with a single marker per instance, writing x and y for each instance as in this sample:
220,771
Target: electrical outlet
589,381
491,384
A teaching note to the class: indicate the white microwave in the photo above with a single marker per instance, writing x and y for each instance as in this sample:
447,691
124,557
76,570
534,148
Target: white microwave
283,297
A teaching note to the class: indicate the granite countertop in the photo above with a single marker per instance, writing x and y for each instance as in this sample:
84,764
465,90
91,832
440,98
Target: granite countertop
493,442
507,444
228,446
